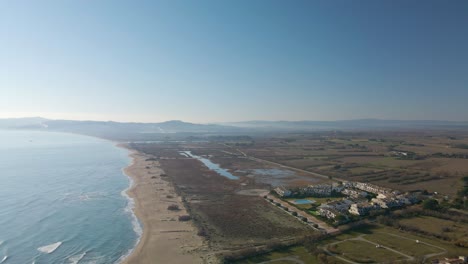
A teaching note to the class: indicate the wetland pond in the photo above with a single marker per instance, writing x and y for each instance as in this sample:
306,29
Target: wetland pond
212,166
278,177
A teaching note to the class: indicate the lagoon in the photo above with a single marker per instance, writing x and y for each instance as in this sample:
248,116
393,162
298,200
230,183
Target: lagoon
212,166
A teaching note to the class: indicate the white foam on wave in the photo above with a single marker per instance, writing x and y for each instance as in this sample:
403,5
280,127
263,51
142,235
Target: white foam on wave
137,228
49,248
76,258
83,197
4,258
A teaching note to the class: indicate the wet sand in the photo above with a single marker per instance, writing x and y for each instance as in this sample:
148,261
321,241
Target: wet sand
164,238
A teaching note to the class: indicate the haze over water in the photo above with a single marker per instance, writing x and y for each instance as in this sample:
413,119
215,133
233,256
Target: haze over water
63,190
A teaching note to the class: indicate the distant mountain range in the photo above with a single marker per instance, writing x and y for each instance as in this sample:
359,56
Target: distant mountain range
151,131
355,124
116,130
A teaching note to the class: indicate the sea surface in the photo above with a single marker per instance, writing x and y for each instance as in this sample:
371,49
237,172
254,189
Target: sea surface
62,199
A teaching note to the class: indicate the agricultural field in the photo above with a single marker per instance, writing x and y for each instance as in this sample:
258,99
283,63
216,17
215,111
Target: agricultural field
405,161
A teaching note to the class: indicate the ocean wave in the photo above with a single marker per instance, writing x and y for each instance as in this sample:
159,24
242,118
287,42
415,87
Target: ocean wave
4,258
137,227
76,258
95,260
49,248
129,209
83,197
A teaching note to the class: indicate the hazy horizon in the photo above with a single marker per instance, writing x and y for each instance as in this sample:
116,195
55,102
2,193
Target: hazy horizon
210,61
233,122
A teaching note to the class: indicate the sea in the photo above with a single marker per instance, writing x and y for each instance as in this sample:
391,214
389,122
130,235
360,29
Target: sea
63,199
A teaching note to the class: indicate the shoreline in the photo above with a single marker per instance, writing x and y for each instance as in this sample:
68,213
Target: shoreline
164,239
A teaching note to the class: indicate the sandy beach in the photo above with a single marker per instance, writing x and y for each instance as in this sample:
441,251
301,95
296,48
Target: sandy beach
165,239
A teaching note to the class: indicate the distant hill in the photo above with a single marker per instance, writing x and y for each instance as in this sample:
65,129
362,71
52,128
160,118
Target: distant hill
175,129
20,122
116,130
357,124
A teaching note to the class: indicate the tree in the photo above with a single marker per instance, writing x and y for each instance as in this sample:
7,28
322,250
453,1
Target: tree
431,204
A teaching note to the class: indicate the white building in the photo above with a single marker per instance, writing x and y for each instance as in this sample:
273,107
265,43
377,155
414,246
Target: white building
361,208
283,192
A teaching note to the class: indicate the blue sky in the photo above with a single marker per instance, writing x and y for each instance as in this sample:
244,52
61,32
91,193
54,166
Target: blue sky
208,61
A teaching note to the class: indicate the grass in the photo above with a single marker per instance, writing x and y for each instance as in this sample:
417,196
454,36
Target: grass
403,242
438,226
407,246
297,252
364,252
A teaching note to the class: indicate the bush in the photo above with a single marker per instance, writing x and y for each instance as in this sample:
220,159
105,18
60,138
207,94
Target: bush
446,229
184,218
431,204
169,196
173,207
202,232
294,213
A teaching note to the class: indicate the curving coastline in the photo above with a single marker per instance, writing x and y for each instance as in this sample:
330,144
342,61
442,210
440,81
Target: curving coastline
164,239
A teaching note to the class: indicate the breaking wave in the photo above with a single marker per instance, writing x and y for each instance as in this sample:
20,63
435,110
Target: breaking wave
49,248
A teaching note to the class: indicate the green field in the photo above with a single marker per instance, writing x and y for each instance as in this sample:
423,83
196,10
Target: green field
363,252
284,256
404,244
454,230
360,245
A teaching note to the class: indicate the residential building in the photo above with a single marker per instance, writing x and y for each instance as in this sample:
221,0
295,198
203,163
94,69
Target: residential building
354,193
361,208
282,191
